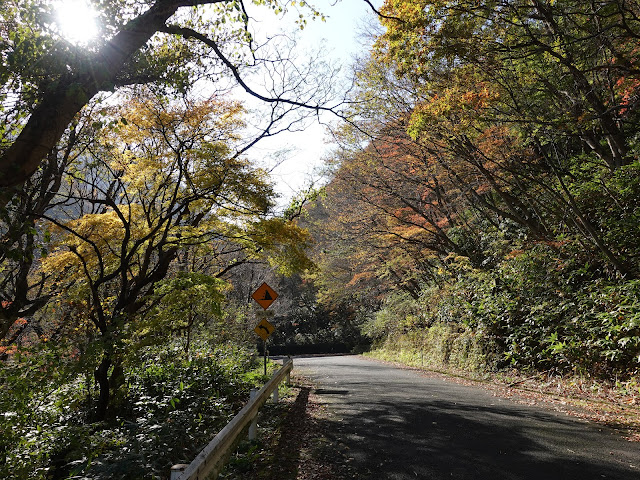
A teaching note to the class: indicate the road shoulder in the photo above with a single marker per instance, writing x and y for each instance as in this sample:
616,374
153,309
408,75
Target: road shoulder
295,442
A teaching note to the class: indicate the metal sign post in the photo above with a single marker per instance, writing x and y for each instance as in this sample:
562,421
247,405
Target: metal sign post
264,296
264,329
264,346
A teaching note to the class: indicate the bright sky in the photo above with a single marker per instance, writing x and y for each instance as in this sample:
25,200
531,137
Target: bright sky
76,21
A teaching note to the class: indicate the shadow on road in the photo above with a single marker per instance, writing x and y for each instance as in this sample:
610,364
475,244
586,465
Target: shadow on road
395,424
287,450
449,441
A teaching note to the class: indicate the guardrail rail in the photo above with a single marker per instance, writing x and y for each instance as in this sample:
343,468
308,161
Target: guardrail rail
213,457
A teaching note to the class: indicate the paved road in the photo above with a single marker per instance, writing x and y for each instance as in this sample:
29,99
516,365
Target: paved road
398,424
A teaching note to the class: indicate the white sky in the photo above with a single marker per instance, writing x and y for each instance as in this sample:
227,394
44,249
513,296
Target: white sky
340,37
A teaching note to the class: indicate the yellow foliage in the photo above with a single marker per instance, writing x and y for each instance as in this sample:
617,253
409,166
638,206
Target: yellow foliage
94,240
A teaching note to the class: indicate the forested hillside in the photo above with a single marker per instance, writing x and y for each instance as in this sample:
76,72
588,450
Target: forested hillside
484,204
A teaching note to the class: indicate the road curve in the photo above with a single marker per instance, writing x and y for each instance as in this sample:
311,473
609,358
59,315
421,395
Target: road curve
398,424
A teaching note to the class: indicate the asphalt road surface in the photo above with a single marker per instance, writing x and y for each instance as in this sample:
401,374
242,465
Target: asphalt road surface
399,424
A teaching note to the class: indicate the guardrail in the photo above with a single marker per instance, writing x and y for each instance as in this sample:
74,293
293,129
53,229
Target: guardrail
212,458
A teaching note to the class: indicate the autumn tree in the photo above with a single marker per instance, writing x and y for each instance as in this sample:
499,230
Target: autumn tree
527,94
171,46
397,204
160,180
46,80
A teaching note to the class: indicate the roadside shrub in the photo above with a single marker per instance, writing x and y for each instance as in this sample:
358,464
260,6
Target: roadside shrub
534,309
40,403
170,407
442,346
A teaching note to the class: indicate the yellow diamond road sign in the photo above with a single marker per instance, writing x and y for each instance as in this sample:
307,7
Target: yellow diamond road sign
264,329
264,295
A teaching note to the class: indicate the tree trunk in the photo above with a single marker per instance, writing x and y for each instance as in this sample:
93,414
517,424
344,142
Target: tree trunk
101,375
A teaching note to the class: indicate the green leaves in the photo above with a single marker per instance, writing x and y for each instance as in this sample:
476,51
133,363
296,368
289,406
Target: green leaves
171,407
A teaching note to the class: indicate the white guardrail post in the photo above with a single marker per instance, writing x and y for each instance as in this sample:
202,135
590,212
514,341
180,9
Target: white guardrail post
212,458
253,426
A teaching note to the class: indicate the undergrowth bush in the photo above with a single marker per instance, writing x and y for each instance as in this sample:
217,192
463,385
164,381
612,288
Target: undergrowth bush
532,310
441,346
170,407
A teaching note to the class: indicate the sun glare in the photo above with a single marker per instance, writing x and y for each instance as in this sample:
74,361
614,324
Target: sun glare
77,21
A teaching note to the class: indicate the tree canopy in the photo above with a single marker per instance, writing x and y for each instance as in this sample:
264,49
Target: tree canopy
46,80
488,179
